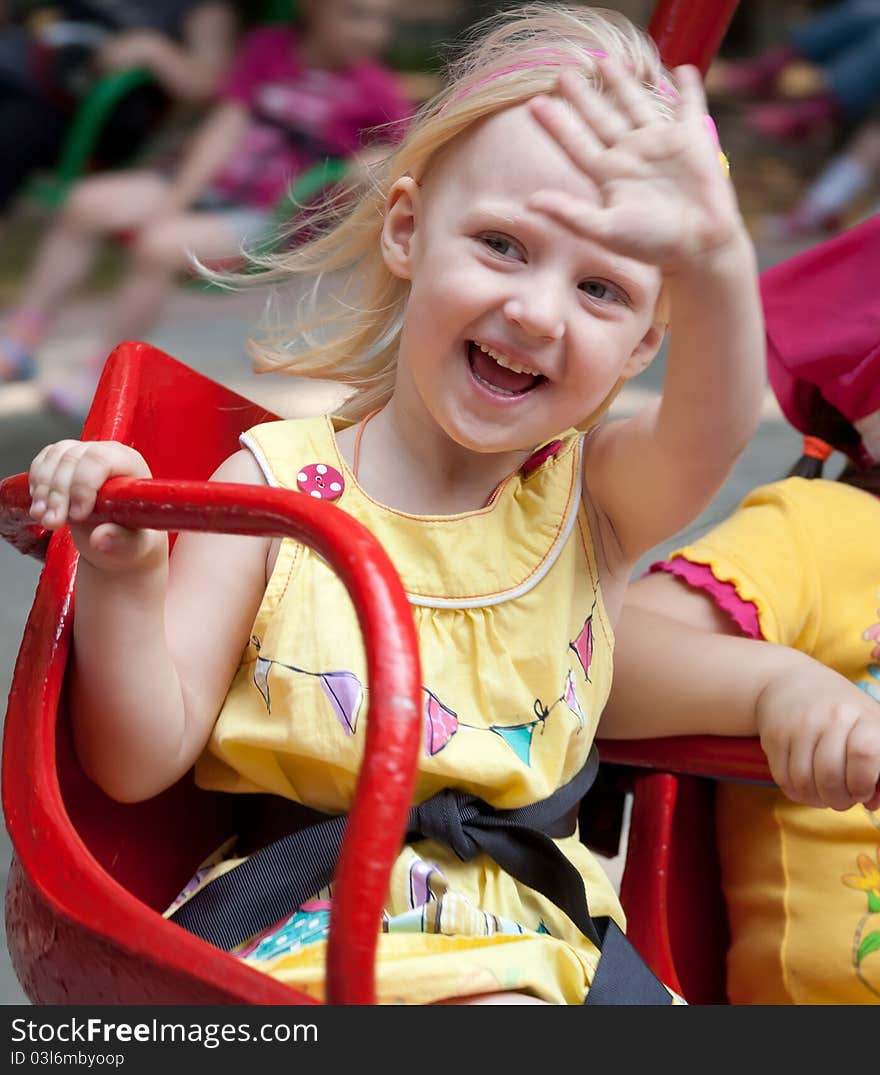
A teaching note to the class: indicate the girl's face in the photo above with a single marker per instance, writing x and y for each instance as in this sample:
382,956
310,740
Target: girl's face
515,329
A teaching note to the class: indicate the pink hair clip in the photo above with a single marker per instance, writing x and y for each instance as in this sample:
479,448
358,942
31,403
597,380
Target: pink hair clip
539,58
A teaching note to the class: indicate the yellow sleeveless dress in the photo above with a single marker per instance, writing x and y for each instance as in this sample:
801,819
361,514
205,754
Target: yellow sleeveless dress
516,656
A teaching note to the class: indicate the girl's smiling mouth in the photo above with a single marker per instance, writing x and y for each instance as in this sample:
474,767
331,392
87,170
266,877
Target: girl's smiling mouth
497,373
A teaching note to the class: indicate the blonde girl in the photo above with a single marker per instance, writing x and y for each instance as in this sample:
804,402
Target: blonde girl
518,261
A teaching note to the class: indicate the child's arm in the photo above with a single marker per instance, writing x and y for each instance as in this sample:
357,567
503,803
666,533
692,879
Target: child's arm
155,648
680,670
665,200
210,146
189,70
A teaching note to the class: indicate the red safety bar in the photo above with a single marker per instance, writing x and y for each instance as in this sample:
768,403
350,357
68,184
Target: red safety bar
385,782
686,31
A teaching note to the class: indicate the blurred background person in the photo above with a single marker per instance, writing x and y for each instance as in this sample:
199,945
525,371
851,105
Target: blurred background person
52,54
842,44
297,93
839,193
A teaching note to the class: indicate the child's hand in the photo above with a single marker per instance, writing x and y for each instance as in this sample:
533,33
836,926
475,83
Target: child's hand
64,481
821,735
663,196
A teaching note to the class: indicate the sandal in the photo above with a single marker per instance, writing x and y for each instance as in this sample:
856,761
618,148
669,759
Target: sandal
16,362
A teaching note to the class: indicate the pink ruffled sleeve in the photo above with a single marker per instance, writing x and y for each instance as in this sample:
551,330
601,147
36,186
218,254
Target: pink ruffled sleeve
700,576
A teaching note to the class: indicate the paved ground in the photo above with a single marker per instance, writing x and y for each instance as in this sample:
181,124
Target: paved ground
208,332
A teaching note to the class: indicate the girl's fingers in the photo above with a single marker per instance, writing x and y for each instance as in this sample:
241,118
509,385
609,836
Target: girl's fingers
50,481
863,760
691,104
588,221
594,109
65,477
92,470
800,783
632,98
830,774
577,140
58,498
43,467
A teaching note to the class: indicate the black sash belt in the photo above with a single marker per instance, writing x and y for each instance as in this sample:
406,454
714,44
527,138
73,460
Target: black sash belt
287,871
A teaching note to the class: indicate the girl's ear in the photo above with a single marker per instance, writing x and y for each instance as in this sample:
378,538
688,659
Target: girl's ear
399,227
645,351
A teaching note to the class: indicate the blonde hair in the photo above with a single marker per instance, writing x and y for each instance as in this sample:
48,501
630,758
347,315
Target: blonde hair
508,59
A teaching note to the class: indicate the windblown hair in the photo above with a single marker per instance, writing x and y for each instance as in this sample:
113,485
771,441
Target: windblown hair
351,335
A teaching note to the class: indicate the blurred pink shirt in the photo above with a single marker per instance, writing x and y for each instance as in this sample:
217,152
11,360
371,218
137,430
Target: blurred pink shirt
301,115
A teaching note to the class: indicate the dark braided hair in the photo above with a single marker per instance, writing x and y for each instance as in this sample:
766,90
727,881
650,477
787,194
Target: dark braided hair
829,425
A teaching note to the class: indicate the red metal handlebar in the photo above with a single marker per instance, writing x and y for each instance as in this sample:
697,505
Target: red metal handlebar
383,795
689,32
717,757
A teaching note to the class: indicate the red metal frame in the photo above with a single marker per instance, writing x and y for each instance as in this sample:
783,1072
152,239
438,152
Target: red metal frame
101,935
383,795
690,31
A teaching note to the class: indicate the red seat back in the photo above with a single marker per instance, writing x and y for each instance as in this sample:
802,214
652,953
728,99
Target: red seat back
90,873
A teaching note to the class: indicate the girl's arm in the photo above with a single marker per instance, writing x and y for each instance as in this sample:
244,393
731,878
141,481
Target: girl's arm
189,70
653,473
680,669
665,200
155,645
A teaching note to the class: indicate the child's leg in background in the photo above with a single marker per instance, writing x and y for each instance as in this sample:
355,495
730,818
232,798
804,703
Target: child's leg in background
160,253
97,207
846,178
836,189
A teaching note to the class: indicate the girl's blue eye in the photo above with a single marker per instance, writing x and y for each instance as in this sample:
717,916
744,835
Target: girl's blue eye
501,244
597,290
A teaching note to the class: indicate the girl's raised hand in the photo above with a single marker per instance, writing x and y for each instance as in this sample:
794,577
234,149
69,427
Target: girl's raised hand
821,735
663,196
64,481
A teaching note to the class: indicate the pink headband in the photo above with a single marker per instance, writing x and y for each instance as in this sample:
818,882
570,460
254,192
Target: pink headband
557,58
554,58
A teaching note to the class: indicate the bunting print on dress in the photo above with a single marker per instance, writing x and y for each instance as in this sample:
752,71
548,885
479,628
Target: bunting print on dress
345,693
570,698
583,644
441,723
342,689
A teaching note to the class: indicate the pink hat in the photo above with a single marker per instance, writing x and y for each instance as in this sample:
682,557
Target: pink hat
822,314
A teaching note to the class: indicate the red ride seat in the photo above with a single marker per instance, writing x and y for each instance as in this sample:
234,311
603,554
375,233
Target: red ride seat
90,875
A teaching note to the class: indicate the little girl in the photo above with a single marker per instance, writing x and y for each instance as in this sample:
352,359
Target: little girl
771,622
541,223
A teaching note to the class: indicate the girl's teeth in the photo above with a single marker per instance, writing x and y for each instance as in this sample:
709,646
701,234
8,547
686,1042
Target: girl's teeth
506,362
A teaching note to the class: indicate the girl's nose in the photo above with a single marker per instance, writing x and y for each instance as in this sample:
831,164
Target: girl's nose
535,317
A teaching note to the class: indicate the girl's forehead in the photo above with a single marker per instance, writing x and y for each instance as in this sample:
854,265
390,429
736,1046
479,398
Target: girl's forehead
507,154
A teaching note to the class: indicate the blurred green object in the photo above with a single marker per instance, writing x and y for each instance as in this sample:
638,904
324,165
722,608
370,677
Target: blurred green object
94,111
279,10
85,129
320,177
312,181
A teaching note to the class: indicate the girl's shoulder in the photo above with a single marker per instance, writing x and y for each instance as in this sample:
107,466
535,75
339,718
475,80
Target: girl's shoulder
287,449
